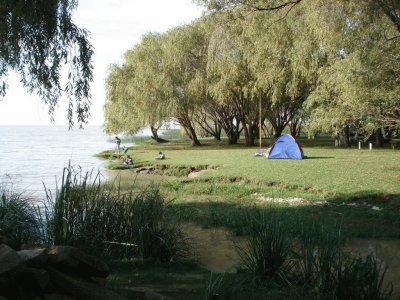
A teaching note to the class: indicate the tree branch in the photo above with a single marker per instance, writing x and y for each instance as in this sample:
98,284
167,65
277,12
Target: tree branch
272,8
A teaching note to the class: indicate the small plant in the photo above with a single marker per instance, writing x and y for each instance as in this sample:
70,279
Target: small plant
329,271
362,278
266,250
213,289
319,251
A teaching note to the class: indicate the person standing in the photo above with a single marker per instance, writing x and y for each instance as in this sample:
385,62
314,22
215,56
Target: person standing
118,142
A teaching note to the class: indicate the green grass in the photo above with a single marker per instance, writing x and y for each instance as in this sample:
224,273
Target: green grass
344,172
132,278
229,191
235,179
233,184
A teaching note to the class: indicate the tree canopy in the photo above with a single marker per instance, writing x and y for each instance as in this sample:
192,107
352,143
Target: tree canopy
37,38
214,73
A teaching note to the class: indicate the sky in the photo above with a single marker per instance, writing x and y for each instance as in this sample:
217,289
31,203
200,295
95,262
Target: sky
115,26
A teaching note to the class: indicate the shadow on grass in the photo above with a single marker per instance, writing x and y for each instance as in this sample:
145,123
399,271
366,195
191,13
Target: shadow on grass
132,279
367,215
187,281
190,281
318,157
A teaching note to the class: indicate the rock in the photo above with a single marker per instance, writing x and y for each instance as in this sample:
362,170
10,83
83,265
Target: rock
9,259
39,277
34,257
138,170
155,296
73,261
56,297
81,289
25,283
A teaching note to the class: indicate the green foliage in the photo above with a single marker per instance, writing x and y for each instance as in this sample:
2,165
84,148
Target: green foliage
326,268
326,172
217,69
37,38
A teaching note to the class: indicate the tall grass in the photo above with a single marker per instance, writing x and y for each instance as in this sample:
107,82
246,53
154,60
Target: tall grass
107,222
18,218
360,277
312,259
267,247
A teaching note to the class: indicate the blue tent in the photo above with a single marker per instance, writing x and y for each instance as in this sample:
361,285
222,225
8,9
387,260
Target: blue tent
286,147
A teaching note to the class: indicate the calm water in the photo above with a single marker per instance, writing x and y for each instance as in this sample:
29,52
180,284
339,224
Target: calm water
33,155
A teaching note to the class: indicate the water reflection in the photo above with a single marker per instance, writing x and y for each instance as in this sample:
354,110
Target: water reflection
214,248
388,251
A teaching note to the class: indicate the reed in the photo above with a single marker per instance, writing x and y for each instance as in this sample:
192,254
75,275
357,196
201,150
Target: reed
310,259
18,218
105,221
358,277
267,247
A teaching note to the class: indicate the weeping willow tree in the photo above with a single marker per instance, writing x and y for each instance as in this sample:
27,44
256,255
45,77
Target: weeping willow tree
368,30
231,81
284,58
121,111
163,79
253,58
36,39
341,75
137,90
186,56
359,90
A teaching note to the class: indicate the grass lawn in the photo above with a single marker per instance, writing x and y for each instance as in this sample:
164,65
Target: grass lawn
327,172
366,182
356,190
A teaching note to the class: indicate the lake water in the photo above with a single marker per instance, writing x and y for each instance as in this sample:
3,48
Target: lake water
31,156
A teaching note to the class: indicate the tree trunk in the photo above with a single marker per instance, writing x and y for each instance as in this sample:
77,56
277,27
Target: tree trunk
191,133
195,140
233,136
278,131
248,134
378,137
295,128
344,137
209,125
388,133
186,123
154,132
231,128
